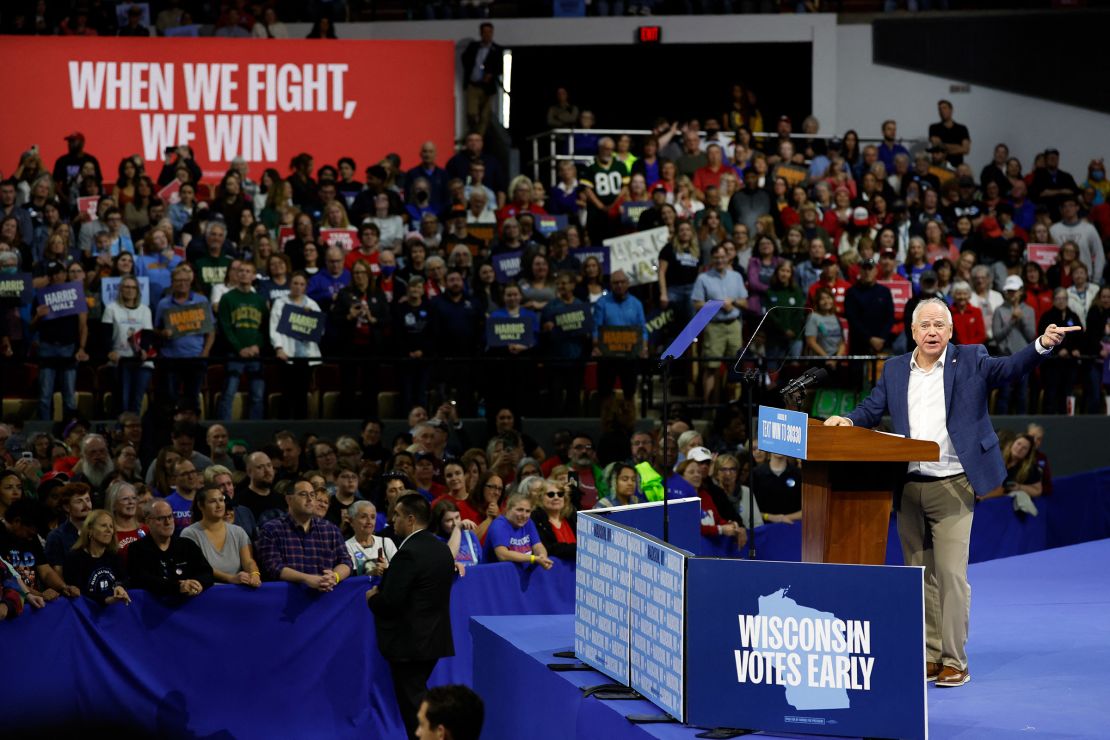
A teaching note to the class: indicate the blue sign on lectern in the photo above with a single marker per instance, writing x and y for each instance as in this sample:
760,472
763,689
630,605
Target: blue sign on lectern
783,431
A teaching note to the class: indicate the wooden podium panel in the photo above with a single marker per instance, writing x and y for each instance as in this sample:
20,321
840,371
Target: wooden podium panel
847,483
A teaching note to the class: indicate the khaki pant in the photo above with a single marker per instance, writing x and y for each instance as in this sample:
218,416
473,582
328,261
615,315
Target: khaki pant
477,108
934,525
719,339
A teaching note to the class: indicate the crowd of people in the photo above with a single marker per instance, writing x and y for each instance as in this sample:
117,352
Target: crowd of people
173,513
404,268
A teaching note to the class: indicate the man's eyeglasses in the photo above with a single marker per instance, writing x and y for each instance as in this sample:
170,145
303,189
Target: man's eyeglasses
584,448
163,518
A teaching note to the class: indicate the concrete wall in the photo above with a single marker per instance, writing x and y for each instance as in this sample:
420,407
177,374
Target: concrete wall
870,93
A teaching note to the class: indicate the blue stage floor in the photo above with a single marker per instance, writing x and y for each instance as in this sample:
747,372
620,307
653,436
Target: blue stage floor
1039,658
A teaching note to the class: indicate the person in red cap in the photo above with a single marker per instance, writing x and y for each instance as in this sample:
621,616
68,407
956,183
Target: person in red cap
68,166
832,281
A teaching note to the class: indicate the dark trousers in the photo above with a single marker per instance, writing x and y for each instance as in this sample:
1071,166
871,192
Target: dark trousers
609,370
410,683
566,388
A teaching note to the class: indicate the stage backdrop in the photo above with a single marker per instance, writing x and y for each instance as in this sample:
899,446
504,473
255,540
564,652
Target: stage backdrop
265,100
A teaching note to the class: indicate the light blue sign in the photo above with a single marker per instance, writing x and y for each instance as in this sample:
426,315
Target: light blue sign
601,597
783,431
658,619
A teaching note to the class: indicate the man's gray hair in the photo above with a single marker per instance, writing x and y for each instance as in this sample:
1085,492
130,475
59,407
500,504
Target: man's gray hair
980,270
931,302
215,224
91,437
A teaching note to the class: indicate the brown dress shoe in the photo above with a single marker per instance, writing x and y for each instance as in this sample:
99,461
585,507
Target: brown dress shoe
932,670
950,677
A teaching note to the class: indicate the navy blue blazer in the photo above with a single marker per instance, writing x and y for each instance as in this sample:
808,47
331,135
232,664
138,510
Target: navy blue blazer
969,374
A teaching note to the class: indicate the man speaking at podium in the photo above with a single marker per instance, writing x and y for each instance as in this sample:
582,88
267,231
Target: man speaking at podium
939,392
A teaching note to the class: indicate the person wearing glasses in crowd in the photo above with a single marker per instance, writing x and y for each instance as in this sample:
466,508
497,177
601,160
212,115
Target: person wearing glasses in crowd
164,563
591,479
225,546
555,519
300,547
188,482
486,498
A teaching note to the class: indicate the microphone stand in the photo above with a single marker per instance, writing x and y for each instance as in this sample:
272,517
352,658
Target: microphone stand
750,379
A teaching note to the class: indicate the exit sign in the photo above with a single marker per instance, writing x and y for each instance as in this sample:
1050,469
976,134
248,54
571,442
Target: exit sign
649,34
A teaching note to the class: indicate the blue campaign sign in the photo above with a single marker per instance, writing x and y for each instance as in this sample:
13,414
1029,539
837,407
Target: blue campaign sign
17,285
806,647
301,324
657,618
66,299
502,331
506,266
783,431
631,210
601,596
599,253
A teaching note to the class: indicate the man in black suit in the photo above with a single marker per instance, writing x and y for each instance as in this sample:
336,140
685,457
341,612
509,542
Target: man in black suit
412,605
482,67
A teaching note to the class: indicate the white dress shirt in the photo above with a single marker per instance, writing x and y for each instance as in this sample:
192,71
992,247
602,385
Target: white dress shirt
929,417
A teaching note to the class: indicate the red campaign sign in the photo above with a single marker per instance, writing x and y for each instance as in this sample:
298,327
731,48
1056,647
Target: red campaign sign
900,291
1043,254
265,100
345,239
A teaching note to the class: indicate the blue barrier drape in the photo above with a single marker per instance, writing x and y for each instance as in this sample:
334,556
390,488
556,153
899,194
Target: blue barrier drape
1077,511
281,661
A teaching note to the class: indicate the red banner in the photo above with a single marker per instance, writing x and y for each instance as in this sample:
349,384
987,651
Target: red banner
262,99
1043,254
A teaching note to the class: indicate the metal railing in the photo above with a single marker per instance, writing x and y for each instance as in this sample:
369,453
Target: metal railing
556,145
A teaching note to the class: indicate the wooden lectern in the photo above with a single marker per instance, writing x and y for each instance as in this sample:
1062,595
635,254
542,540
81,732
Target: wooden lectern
848,478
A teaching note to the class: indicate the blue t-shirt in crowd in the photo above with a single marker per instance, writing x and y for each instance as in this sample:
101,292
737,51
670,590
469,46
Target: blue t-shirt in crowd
470,549
503,534
182,511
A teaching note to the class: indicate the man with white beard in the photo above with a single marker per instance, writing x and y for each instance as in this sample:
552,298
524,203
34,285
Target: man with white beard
95,467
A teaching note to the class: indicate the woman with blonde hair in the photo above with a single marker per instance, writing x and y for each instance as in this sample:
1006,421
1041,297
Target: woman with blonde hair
128,315
686,202
679,263
93,564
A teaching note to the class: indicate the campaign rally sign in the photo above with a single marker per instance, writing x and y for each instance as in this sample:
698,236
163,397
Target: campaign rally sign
17,285
620,341
600,253
262,102
507,266
631,210
171,193
109,290
638,254
548,224
182,321
900,291
301,324
783,431
1043,254
573,320
505,330
657,622
345,239
659,321
285,233
806,648
67,299
87,206
601,596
